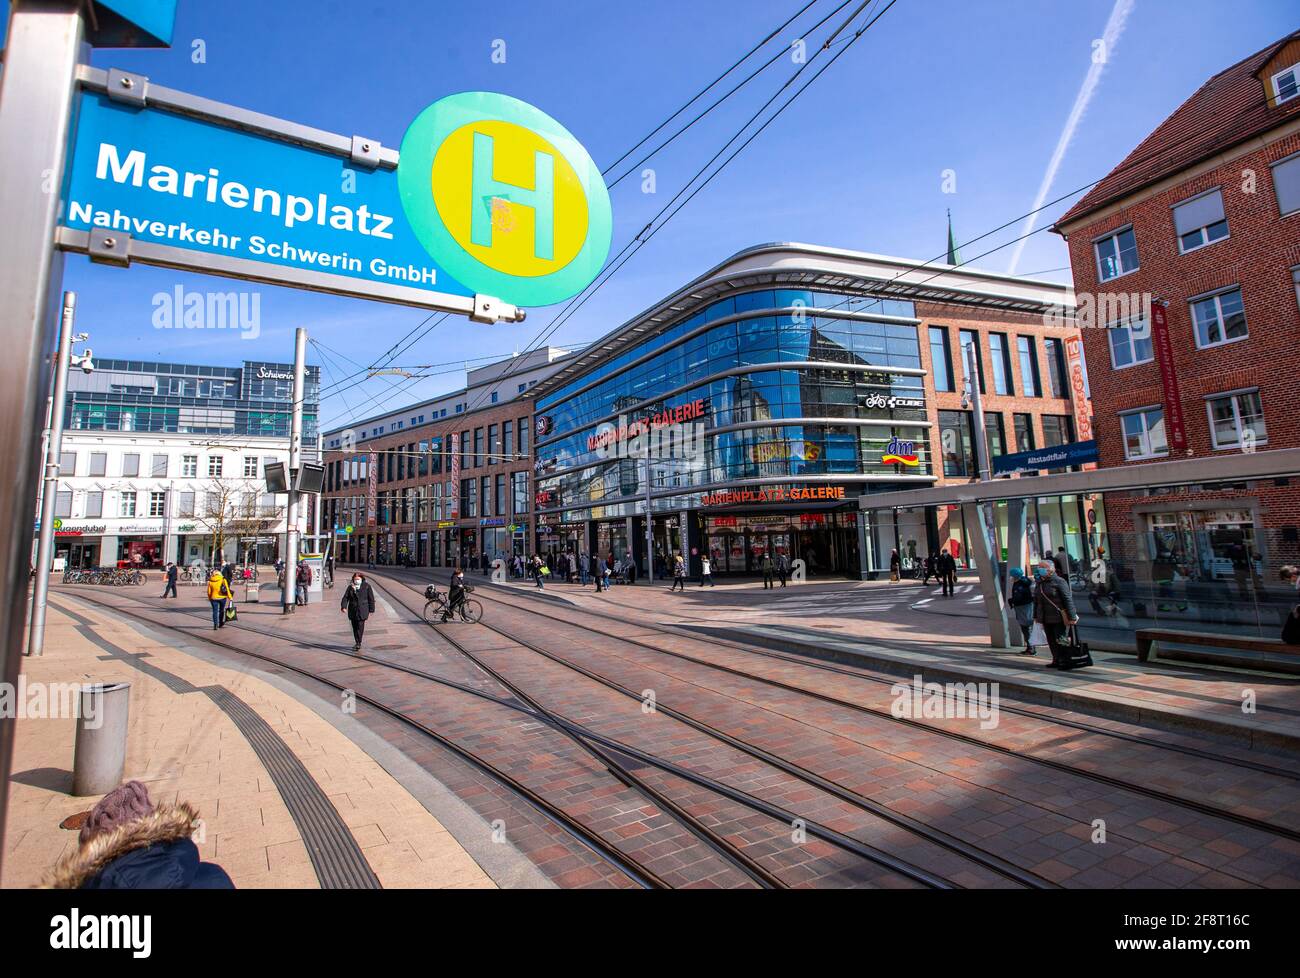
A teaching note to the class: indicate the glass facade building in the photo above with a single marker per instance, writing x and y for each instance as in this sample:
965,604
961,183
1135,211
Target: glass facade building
169,398
750,412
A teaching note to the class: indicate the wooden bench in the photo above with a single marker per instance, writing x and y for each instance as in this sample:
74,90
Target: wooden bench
1261,653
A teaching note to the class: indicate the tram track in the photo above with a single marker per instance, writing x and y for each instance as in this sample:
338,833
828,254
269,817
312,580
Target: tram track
1154,794
812,663
603,748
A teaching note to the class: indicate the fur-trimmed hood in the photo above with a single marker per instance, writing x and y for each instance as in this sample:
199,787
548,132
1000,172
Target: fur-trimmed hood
166,823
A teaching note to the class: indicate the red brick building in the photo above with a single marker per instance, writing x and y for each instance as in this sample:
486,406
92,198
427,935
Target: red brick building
1203,218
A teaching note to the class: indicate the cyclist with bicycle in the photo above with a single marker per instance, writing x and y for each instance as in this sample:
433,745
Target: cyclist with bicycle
455,595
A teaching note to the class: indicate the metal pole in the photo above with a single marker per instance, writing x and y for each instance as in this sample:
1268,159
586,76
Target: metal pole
288,595
43,46
649,521
54,445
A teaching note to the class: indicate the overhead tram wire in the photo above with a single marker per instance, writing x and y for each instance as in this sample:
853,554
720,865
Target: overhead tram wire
696,97
643,237
638,241
741,84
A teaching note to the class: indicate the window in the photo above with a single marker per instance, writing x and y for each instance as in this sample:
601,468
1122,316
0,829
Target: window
1144,433
522,388
1236,420
250,466
955,442
1200,221
1024,424
940,358
478,447
1295,278
1055,351
485,495
1219,319
523,437
1117,254
995,436
157,504
500,495
214,466
130,465
94,504
158,467
469,497
63,504
1058,429
187,504
1286,184
1286,84
189,466
507,440
969,341
127,504
464,449
1001,361
1130,343
493,445
494,397
519,493
1029,380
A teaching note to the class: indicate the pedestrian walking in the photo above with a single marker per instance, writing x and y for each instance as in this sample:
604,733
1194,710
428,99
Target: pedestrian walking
679,574
358,604
538,568
782,568
706,571
946,566
768,569
630,569
1054,608
171,580
1022,606
931,569
218,595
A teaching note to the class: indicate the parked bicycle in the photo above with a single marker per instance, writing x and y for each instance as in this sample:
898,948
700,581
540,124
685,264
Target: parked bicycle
436,606
113,576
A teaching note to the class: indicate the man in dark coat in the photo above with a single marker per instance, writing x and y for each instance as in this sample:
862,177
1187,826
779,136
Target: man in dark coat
946,567
1061,562
359,603
171,581
1054,608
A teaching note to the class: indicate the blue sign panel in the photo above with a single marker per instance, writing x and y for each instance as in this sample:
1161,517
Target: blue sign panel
134,23
1056,457
173,180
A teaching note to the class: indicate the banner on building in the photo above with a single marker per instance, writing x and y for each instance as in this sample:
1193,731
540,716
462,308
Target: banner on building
1163,349
372,486
1079,391
454,469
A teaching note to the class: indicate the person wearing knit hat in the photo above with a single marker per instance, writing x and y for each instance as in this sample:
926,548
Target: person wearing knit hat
128,843
1022,605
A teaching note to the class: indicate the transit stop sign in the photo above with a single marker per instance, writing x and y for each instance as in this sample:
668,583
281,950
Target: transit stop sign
505,198
491,204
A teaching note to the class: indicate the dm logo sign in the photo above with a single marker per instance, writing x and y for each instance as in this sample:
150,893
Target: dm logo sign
900,453
504,198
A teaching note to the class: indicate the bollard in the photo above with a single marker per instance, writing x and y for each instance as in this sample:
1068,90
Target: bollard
100,752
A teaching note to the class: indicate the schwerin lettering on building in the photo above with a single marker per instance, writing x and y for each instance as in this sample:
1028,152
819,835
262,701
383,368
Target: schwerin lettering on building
772,494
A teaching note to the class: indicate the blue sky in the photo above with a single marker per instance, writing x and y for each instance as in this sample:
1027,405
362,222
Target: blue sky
981,89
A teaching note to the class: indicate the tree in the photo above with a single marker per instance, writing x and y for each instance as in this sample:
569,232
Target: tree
230,509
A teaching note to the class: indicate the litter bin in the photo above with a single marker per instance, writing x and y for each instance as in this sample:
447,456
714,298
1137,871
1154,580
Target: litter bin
100,752
250,591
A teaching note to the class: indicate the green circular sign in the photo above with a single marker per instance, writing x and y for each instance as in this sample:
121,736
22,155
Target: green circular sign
348,528
504,198
57,524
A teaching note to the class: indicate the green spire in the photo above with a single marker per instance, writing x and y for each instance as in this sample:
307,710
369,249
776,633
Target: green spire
954,256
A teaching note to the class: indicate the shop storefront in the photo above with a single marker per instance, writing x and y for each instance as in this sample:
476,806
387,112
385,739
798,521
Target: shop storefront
826,542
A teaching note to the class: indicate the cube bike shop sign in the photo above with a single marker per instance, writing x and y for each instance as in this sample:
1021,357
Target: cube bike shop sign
490,205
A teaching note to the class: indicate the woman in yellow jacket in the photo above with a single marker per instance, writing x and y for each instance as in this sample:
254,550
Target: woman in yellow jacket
218,595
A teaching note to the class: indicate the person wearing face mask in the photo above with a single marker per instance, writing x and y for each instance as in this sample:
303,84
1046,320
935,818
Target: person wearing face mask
359,604
455,593
1053,608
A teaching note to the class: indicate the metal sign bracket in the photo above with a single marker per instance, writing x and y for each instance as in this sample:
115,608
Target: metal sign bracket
124,86
365,151
486,311
109,247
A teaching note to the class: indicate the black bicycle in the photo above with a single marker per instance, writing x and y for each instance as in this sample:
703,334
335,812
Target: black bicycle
435,607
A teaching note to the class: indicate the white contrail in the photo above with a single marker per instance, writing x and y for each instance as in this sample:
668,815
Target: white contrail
1110,38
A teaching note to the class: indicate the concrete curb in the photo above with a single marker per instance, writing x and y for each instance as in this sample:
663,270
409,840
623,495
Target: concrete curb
1173,719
